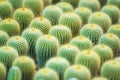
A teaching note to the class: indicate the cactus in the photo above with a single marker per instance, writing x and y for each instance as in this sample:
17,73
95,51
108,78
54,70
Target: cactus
54,13
31,35
14,73
111,70
102,19
72,20
10,26
41,23
102,2
3,38
93,5
19,43
23,16
47,2
69,52
2,71
46,47
81,42
27,67
35,5
113,12
114,2
74,3
90,59
83,13
112,41
61,32
77,72
15,4
104,52
99,78
46,74
5,9
92,31
66,7
59,65
114,29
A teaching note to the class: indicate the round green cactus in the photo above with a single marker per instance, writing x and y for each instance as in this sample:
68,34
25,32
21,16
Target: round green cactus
3,38
92,31
46,74
102,19
111,70
19,43
47,2
72,20
74,3
102,2
93,5
81,42
10,26
66,7
90,59
41,23
26,66
69,52
8,55
31,35
58,64
77,72
46,47
5,9
113,12
99,78
112,41
15,4
114,2
83,13
35,5
104,52
114,29
23,16
14,73
52,13
2,71
62,33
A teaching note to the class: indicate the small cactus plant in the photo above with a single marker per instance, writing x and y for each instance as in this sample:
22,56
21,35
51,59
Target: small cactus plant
69,52
93,5
19,43
46,47
35,5
14,73
31,35
8,55
63,33
41,23
3,38
92,31
10,26
58,64
77,72
81,42
23,16
54,13
90,59
111,70
101,19
2,71
5,9
26,66
71,20
84,13
113,12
